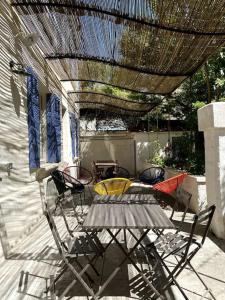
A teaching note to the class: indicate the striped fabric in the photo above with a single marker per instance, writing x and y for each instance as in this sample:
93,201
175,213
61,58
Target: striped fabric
53,128
33,107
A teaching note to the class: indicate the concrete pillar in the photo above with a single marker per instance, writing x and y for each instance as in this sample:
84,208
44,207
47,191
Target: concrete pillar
211,120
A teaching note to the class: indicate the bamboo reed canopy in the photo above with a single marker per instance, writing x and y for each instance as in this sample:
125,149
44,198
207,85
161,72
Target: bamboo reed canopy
98,100
143,45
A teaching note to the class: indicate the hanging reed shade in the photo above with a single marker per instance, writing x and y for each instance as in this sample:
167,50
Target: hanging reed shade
96,100
85,70
149,46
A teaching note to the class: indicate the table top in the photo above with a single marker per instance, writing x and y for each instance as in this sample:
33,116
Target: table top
106,163
129,211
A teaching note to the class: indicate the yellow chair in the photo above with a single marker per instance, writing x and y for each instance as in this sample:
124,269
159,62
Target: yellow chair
112,186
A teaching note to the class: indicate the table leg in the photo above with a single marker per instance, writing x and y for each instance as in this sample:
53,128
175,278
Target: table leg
127,257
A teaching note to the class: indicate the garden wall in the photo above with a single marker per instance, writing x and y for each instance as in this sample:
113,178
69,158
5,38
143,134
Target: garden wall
133,150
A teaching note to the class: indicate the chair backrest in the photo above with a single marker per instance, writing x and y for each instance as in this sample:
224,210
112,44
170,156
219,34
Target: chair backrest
170,185
83,175
59,181
117,172
113,186
205,217
152,175
184,198
64,181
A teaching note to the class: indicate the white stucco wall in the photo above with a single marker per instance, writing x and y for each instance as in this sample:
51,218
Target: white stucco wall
132,150
145,145
211,121
20,204
118,146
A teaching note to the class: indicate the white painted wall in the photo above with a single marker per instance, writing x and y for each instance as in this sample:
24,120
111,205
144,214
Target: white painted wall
211,120
108,147
145,146
20,203
132,150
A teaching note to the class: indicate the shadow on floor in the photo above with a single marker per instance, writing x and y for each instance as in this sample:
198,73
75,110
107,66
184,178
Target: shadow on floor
127,282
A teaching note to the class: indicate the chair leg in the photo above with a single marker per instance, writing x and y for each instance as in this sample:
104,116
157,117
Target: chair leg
81,204
171,278
78,277
52,287
53,280
65,221
79,221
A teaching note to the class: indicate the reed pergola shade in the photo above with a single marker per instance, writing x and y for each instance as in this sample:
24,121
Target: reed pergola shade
102,101
86,69
143,45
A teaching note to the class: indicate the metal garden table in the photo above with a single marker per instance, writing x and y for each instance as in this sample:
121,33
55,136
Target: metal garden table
101,165
127,212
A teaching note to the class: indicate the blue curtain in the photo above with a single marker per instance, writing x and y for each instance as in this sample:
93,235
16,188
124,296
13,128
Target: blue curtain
77,137
53,128
33,107
73,132
74,129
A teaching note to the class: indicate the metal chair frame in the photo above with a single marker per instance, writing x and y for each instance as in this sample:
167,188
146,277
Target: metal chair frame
182,248
116,172
65,182
86,181
69,252
183,197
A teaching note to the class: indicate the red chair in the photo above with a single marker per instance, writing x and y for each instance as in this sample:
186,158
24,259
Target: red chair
170,185
167,187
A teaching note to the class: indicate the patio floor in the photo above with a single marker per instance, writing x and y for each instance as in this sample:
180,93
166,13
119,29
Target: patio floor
25,274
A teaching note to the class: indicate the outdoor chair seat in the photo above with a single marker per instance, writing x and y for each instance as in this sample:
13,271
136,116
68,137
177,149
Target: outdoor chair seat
83,243
172,242
83,175
171,184
112,186
152,175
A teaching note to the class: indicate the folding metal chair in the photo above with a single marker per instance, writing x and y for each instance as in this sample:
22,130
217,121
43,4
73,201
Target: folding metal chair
183,248
70,249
